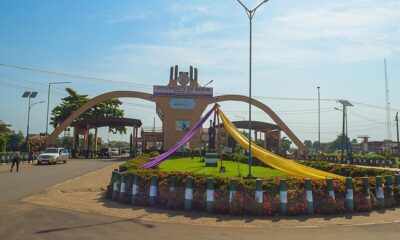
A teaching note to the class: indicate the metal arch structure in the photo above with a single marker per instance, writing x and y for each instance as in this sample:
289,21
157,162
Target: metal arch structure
149,97
92,102
269,112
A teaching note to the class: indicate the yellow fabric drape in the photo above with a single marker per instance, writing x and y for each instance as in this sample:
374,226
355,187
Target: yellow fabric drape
273,160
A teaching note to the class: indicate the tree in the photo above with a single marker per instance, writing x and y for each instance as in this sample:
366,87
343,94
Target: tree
5,132
237,156
354,141
315,145
285,144
117,144
63,142
308,144
69,104
15,141
260,142
3,143
337,143
5,129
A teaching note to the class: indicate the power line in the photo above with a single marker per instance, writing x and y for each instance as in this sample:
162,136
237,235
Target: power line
6,77
148,86
73,75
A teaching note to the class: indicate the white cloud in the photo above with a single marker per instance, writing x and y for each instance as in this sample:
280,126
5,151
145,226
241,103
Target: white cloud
198,29
328,33
186,10
334,32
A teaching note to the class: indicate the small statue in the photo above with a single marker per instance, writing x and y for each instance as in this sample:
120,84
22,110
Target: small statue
211,136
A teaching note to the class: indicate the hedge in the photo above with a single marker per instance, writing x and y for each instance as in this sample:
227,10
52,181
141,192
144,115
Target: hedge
347,170
243,200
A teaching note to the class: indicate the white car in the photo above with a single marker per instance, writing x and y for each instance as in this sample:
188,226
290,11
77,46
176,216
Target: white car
114,152
53,156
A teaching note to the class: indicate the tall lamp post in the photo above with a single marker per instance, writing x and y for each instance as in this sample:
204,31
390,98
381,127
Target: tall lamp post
345,104
29,95
319,122
48,107
250,15
397,126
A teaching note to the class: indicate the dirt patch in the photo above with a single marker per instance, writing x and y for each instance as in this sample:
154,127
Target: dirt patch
5,168
86,193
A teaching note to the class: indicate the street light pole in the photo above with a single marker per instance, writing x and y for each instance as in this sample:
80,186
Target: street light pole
27,126
397,126
48,107
319,121
250,14
345,104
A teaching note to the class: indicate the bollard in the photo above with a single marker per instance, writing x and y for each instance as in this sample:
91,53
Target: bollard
210,195
283,197
122,192
259,195
349,203
329,188
379,192
189,194
365,191
153,190
232,191
172,185
115,193
134,192
309,196
389,187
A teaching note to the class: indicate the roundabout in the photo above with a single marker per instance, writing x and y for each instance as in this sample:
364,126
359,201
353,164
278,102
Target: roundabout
86,194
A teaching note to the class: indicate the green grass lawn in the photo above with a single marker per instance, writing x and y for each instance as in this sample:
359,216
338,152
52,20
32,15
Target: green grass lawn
194,165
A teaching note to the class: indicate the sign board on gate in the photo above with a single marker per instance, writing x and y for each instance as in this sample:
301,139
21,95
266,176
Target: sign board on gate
182,91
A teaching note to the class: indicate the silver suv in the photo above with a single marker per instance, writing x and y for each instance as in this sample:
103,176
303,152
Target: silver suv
53,156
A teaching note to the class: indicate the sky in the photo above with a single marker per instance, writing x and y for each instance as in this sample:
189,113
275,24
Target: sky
338,45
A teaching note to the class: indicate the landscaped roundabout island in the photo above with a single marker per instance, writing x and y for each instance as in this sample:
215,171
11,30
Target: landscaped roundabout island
199,188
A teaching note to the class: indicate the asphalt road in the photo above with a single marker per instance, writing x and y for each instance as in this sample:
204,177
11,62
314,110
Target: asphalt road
27,221
27,181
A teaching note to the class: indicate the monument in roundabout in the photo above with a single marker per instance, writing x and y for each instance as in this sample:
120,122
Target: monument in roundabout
180,106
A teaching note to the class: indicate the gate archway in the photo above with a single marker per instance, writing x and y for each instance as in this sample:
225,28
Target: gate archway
149,97
92,102
268,111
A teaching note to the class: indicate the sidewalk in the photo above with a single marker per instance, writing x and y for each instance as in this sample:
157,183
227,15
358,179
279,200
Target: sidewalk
85,193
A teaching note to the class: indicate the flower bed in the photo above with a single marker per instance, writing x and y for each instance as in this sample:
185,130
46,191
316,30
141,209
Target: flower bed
175,190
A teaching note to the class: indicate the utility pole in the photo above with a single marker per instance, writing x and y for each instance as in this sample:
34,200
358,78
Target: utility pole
48,107
397,126
250,15
388,121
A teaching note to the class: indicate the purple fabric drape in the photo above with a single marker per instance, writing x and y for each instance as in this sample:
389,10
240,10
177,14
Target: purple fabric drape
159,159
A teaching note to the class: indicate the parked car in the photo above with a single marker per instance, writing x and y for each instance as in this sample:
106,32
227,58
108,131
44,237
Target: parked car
53,156
114,152
104,152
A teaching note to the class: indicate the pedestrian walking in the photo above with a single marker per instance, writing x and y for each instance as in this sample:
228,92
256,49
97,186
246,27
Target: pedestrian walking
15,160
31,155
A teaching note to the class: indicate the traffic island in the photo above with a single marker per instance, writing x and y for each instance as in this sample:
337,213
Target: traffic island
284,196
87,194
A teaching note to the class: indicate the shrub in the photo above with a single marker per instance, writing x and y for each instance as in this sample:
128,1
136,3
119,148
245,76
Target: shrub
154,154
243,201
347,170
